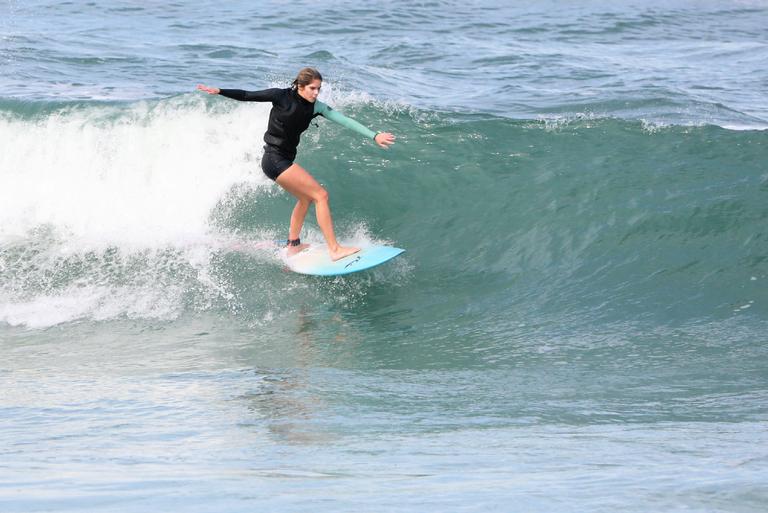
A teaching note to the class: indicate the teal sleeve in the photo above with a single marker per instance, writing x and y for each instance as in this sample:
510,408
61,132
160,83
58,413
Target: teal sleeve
337,117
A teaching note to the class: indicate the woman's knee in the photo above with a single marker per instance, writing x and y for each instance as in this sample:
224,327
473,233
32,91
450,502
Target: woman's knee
320,195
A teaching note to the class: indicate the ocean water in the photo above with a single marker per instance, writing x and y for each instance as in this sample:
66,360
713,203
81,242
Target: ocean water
578,324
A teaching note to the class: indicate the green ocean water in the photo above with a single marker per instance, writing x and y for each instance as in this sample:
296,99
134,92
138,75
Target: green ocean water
578,322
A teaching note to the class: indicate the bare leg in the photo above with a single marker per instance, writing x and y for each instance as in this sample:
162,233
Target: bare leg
297,221
301,184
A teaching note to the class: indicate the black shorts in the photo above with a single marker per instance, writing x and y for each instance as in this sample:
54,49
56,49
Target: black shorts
273,163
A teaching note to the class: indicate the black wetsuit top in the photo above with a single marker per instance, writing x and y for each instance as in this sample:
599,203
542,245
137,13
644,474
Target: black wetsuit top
290,116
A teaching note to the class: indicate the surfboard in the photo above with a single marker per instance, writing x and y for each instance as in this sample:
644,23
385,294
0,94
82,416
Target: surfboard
316,261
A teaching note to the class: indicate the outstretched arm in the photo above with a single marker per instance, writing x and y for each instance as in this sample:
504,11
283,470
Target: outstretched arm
383,139
267,95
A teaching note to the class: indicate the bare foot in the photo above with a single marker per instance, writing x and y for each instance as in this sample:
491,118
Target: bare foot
342,252
292,250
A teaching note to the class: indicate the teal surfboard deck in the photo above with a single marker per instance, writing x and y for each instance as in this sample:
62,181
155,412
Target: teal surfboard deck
315,260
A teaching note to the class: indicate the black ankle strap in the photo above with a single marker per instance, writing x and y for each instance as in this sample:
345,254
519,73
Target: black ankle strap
294,242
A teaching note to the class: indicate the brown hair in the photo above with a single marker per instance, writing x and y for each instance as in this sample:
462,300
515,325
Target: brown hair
305,77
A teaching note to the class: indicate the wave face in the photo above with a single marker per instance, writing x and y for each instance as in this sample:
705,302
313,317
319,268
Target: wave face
138,208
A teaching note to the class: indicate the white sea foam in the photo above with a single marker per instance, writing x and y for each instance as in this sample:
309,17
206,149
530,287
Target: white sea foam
147,175
94,302
101,208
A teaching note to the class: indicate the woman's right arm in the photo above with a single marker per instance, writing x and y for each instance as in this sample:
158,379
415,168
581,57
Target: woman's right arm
266,95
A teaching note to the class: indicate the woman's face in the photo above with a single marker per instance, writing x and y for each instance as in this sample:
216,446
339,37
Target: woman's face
310,91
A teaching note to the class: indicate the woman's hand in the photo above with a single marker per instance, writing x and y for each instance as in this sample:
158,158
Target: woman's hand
384,139
209,90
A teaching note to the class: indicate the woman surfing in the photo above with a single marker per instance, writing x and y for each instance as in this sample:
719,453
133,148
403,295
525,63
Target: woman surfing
292,111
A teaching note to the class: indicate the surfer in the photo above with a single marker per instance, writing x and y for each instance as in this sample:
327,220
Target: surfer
292,111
